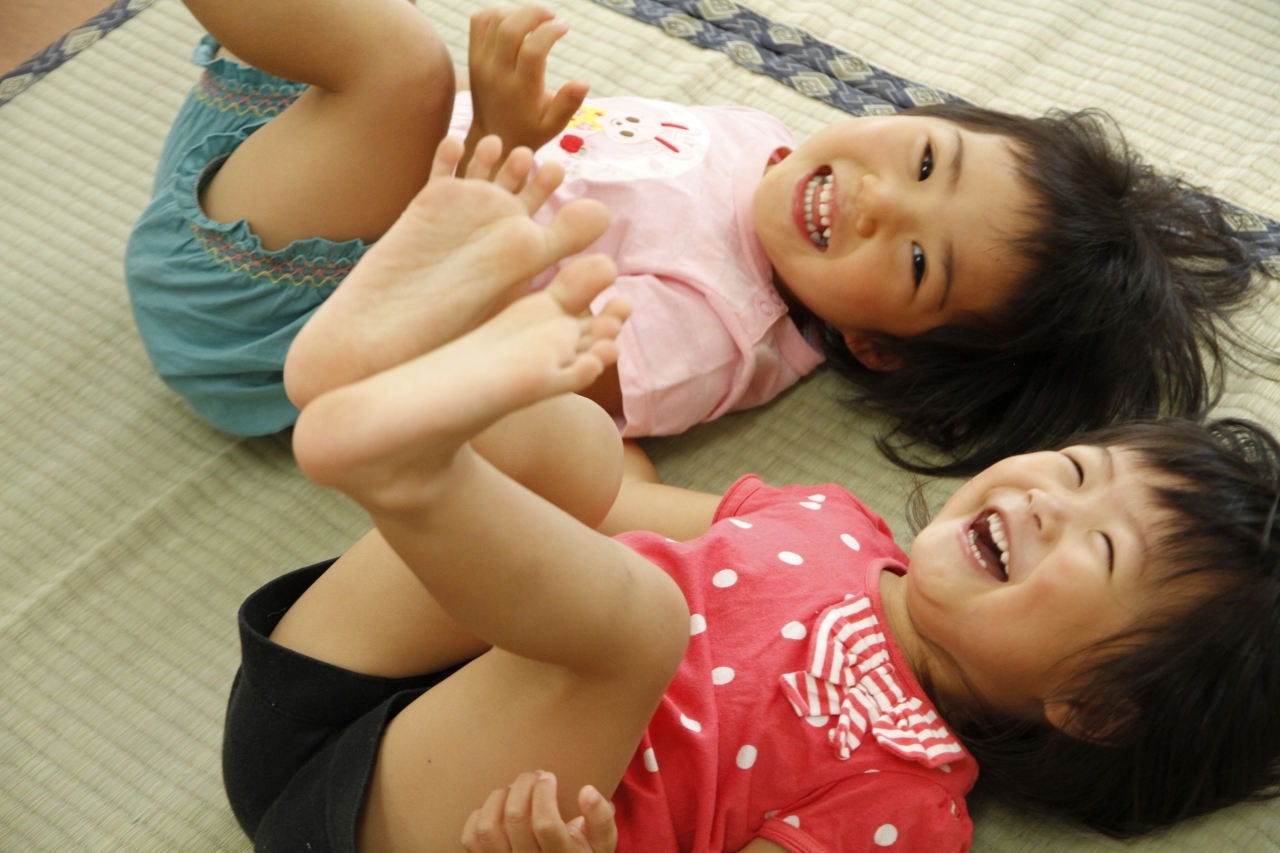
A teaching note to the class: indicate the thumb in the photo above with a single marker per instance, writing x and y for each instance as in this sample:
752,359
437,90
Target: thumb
598,822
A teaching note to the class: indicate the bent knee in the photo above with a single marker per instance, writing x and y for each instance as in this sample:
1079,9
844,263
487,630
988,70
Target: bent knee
414,70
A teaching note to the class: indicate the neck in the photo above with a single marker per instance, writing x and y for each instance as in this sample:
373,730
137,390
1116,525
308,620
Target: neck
931,669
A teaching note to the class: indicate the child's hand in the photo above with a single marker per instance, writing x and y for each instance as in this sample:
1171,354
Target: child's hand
507,64
524,818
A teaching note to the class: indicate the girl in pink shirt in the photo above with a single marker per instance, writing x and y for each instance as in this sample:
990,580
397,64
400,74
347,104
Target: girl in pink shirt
763,671
971,272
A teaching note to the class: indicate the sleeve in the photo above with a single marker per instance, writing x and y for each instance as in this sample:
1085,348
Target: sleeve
874,813
677,363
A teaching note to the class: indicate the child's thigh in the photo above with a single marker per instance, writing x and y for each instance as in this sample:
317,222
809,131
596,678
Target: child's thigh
342,165
497,717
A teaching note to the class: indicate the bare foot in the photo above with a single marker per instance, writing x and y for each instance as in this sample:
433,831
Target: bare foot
387,439
462,246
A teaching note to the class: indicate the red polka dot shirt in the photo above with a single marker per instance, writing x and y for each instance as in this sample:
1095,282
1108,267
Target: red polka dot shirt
794,715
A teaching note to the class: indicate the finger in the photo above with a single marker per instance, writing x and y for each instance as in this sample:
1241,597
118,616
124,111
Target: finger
470,836
490,836
549,826
540,187
513,30
515,170
599,825
448,153
516,816
489,42
575,227
481,27
531,61
564,104
484,158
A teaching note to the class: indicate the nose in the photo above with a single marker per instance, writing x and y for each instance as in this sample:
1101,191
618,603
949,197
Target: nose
1047,511
880,205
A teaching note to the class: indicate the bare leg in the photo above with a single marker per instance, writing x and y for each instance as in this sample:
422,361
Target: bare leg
369,613
460,247
350,153
586,633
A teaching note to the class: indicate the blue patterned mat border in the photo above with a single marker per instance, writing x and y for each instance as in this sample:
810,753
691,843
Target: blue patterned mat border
21,78
826,73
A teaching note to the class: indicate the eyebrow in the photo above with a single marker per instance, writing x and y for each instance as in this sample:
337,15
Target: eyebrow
949,254
1109,461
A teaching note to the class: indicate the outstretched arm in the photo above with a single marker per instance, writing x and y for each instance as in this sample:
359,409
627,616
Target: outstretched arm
507,64
644,502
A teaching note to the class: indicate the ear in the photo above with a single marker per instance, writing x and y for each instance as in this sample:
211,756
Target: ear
1073,718
872,357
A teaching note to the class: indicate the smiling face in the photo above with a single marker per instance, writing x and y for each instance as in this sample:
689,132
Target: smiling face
1037,558
895,225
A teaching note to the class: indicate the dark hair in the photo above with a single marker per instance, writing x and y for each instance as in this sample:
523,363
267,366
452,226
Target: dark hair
1180,715
1121,314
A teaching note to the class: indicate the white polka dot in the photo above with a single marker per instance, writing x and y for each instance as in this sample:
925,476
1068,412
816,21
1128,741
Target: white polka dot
691,725
817,720
771,815
650,760
791,558
953,806
810,504
747,757
946,768
794,631
697,624
850,541
818,498
886,835
725,578
722,675
872,770
740,523
792,819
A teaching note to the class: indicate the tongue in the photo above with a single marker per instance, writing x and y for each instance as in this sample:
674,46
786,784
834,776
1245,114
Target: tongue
990,553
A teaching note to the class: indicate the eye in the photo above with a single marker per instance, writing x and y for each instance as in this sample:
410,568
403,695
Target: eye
1111,553
917,263
926,162
1079,469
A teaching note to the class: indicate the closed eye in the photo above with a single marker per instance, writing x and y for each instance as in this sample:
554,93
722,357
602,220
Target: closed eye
926,162
1079,469
917,263
1111,553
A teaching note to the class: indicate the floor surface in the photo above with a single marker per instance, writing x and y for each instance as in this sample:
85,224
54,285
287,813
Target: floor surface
29,26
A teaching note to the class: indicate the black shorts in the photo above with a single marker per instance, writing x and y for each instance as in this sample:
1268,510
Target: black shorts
302,735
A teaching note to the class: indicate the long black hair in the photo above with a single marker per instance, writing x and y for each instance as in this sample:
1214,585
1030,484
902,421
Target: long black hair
1122,314
1181,715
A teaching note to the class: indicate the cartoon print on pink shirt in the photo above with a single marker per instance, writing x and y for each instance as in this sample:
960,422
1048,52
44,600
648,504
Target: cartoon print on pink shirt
627,140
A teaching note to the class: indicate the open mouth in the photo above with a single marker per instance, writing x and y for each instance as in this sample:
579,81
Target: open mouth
990,544
816,201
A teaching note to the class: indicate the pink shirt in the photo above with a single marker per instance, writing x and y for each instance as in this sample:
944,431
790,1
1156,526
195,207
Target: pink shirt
794,715
709,333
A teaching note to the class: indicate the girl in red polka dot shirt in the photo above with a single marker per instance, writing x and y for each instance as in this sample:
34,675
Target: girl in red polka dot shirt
759,671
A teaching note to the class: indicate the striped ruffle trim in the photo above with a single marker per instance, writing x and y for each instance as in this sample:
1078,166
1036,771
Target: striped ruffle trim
851,678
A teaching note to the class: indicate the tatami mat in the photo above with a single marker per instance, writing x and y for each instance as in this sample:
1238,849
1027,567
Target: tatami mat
132,530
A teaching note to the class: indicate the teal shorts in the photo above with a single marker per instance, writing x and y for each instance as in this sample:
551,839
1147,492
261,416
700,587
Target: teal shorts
216,311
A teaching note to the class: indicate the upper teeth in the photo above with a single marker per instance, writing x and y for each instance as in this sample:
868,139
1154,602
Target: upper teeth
995,525
817,193
998,536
